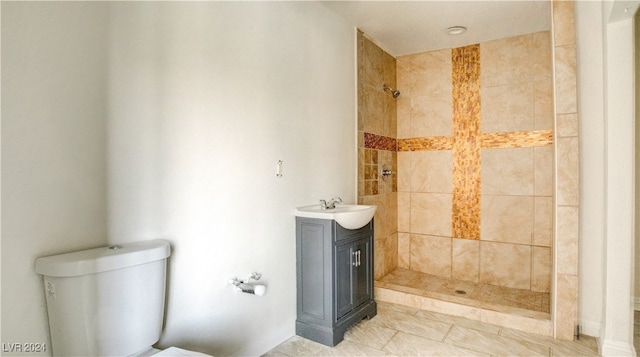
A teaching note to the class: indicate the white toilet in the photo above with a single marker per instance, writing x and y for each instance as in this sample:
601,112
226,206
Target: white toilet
108,301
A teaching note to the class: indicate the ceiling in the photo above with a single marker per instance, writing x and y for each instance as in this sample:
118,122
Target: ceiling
407,27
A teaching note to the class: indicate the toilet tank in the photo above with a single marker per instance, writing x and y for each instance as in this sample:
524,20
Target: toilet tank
106,301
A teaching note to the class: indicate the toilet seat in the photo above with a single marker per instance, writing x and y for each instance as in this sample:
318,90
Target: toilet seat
179,352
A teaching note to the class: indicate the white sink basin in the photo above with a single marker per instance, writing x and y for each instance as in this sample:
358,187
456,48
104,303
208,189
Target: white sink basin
348,216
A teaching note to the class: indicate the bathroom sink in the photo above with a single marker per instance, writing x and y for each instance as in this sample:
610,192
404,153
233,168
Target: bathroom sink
348,216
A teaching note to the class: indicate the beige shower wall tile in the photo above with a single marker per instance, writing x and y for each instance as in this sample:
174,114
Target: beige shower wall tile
371,113
568,171
404,171
404,250
507,219
543,221
389,69
465,259
563,23
507,61
403,74
567,125
505,264
361,167
543,170
543,105
371,61
542,265
431,73
391,253
431,115
387,213
566,313
404,116
404,212
566,88
568,228
542,55
431,255
390,124
507,171
376,109
362,108
378,260
508,108
431,214
403,70
431,171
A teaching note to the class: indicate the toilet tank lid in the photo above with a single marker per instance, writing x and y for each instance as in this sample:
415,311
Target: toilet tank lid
103,259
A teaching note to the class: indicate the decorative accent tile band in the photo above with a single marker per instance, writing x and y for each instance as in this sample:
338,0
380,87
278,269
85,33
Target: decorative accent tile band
432,143
517,139
466,147
379,142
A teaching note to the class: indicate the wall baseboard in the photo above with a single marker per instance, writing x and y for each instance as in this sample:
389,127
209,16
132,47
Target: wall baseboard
617,348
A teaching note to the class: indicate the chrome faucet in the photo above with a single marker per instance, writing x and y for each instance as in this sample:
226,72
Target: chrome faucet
331,204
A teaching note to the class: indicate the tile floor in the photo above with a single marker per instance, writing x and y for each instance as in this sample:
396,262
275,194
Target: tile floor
475,294
403,331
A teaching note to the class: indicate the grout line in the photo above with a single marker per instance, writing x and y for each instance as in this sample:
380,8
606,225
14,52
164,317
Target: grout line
386,344
447,334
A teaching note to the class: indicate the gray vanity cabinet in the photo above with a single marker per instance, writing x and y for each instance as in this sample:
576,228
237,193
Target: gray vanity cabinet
334,278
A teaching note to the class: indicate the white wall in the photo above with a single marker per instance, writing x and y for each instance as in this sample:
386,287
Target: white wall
131,121
590,65
54,186
617,331
204,99
605,63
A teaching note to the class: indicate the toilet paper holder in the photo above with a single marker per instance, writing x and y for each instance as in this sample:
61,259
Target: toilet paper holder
245,287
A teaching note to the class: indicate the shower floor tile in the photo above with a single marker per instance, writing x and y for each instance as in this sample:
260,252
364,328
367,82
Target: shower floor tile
497,298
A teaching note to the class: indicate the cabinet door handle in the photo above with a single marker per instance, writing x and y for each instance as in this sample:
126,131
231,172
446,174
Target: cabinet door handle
358,257
355,258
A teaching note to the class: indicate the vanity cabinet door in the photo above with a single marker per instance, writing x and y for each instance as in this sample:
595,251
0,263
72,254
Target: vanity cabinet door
353,275
363,271
344,279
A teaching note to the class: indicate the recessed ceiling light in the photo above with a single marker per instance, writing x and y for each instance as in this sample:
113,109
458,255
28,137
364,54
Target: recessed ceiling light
456,30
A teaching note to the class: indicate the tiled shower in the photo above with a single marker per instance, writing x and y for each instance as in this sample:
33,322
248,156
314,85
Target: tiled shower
464,163
471,144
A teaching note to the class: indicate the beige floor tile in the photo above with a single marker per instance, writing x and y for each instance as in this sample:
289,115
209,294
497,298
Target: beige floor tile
459,321
416,325
349,348
404,331
493,344
558,347
297,346
369,334
405,344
